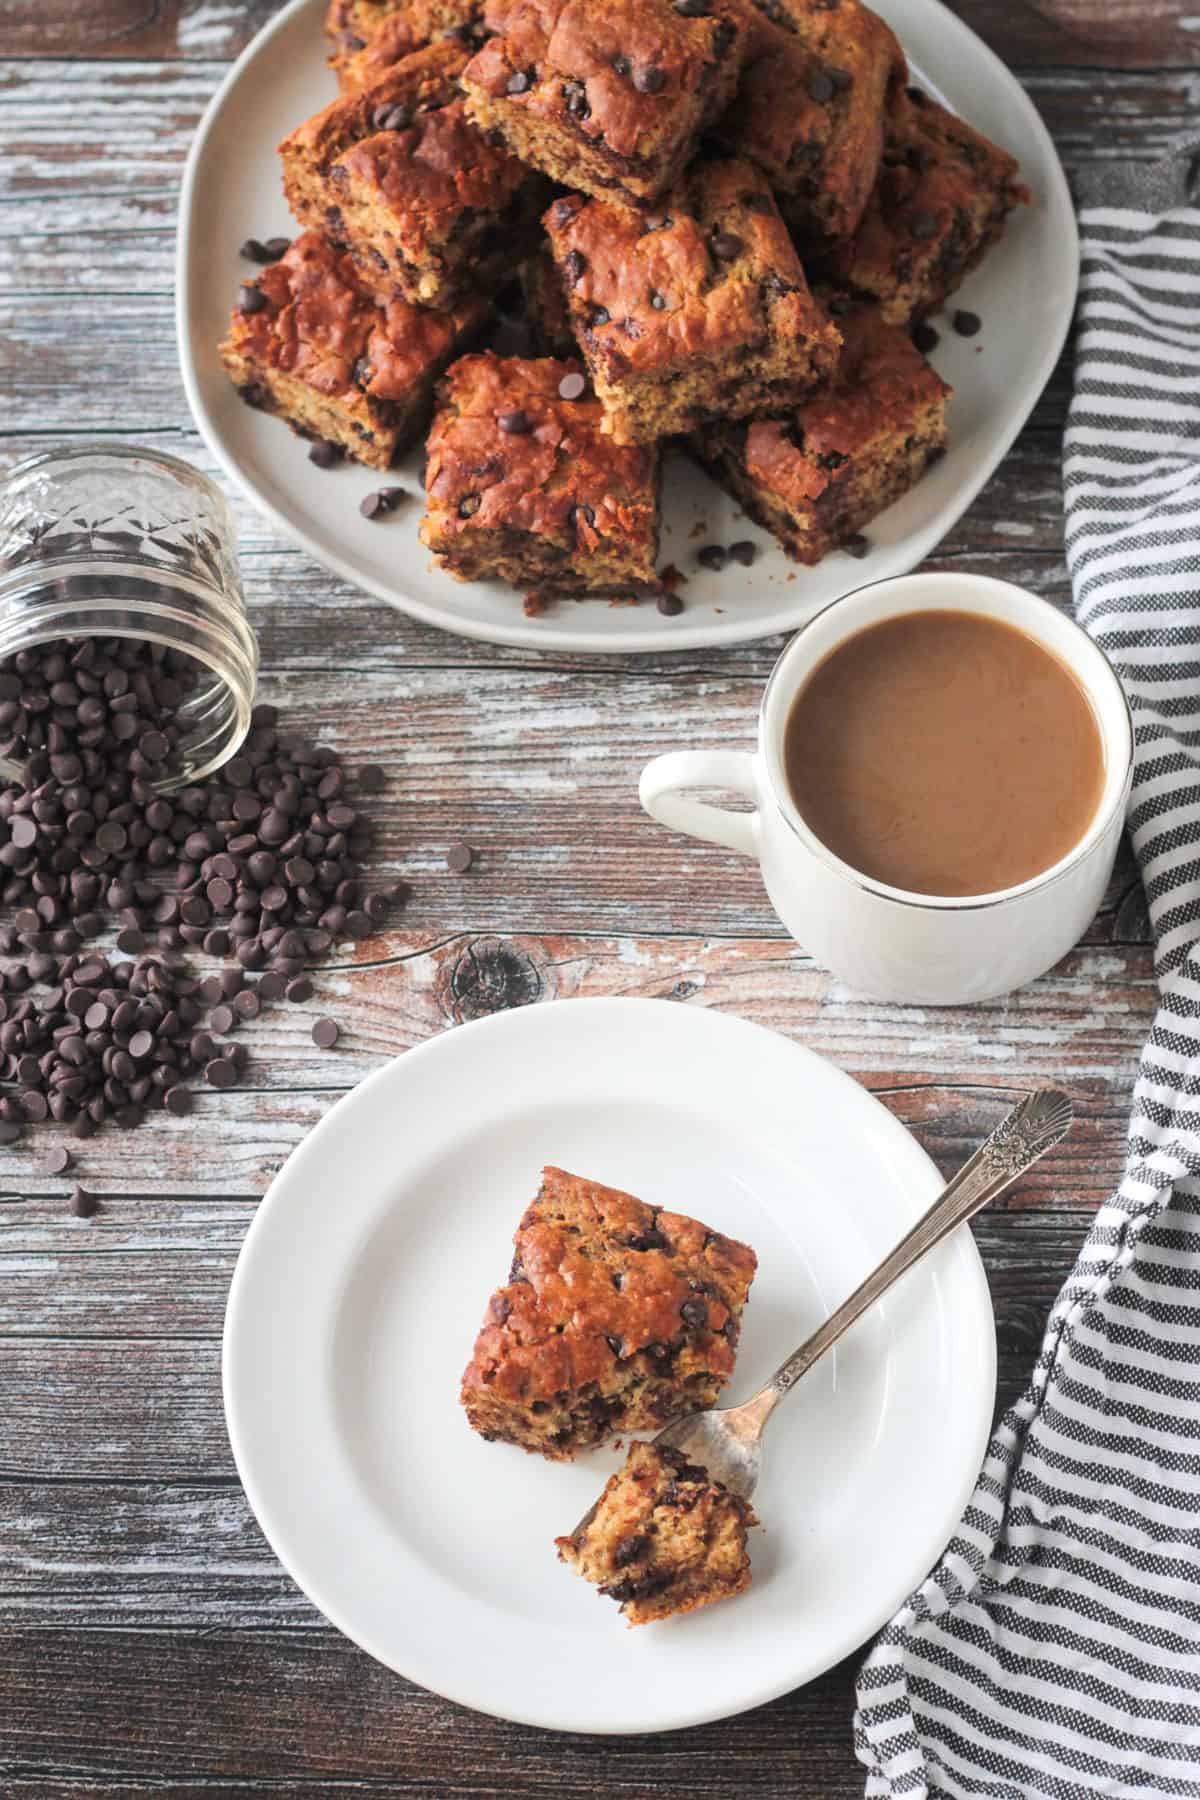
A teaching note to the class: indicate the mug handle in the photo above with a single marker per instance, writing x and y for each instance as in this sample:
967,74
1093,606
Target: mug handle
663,792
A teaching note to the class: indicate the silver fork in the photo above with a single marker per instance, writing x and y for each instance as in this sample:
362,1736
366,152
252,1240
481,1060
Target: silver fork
728,1441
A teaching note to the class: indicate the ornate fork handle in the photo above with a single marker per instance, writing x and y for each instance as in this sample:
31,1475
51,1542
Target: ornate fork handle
1039,1122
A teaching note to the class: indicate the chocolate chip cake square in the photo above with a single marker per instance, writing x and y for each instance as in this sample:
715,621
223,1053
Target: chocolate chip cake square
816,477
367,38
942,197
809,108
698,311
616,1317
610,100
397,175
308,342
665,1537
522,484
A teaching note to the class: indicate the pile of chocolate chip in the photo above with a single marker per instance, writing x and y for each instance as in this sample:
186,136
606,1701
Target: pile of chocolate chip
261,867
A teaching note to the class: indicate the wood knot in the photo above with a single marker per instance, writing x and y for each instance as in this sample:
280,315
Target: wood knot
491,976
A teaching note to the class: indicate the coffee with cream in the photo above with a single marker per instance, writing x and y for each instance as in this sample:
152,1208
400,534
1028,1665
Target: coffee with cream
946,753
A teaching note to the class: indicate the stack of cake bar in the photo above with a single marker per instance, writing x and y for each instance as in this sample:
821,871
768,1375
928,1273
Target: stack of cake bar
727,218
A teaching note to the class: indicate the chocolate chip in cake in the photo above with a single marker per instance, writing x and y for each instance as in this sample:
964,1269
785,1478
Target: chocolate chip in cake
657,300
670,605
694,1313
598,316
630,1550
468,506
744,552
620,64
649,80
84,1204
521,80
966,323
325,1034
254,251
325,454
692,9
820,86
572,386
917,96
574,265
858,546
575,96
459,858
276,247
841,79
923,225
394,118
712,556
515,423
251,299
726,246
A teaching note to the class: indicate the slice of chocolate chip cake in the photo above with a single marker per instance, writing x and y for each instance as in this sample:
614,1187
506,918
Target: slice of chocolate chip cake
616,1317
664,1538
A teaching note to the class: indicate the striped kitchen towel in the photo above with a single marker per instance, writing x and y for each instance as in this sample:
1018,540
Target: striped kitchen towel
1056,1648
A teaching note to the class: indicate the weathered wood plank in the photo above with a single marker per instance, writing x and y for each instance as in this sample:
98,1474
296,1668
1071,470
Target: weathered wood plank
1082,1025
165,30
306,1711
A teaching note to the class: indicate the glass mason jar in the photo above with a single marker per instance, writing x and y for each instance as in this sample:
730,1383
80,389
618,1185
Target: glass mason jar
117,541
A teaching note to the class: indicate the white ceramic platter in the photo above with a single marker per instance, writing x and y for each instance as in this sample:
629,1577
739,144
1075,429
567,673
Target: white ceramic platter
362,1282
1024,292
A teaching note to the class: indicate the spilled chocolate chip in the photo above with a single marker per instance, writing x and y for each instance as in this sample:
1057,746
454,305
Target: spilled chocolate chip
966,323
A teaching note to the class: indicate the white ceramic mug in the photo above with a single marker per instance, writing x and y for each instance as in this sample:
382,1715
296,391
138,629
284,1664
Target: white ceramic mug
881,940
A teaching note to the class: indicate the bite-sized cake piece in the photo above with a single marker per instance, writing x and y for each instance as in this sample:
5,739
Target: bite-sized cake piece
809,108
398,175
546,306
616,1316
367,38
697,311
522,484
607,99
818,476
943,195
307,341
665,1537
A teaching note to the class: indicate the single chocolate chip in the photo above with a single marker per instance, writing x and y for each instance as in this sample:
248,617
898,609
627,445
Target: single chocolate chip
55,1161
254,251
572,386
468,506
923,225
178,1100
820,86
23,832
221,1072
649,80
657,300
371,505
694,1313
84,1204
670,605
276,247
131,941
917,96
325,454
712,556
726,246
390,497
251,299
620,64
10,1131
744,552
925,338
516,423
325,1033
221,1019
299,990
521,80
652,1239
459,858
858,545
841,79
966,323
630,1550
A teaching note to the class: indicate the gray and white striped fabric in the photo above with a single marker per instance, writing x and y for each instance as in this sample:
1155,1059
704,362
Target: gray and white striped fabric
1056,1649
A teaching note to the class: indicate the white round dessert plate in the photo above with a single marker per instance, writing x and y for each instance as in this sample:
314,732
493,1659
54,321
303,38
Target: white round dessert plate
364,1278
1024,291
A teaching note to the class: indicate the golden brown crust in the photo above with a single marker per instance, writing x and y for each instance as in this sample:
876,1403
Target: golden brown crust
665,1538
942,197
819,475
368,37
703,300
608,98
552,503
809,108
610,1300
318,329
398,175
